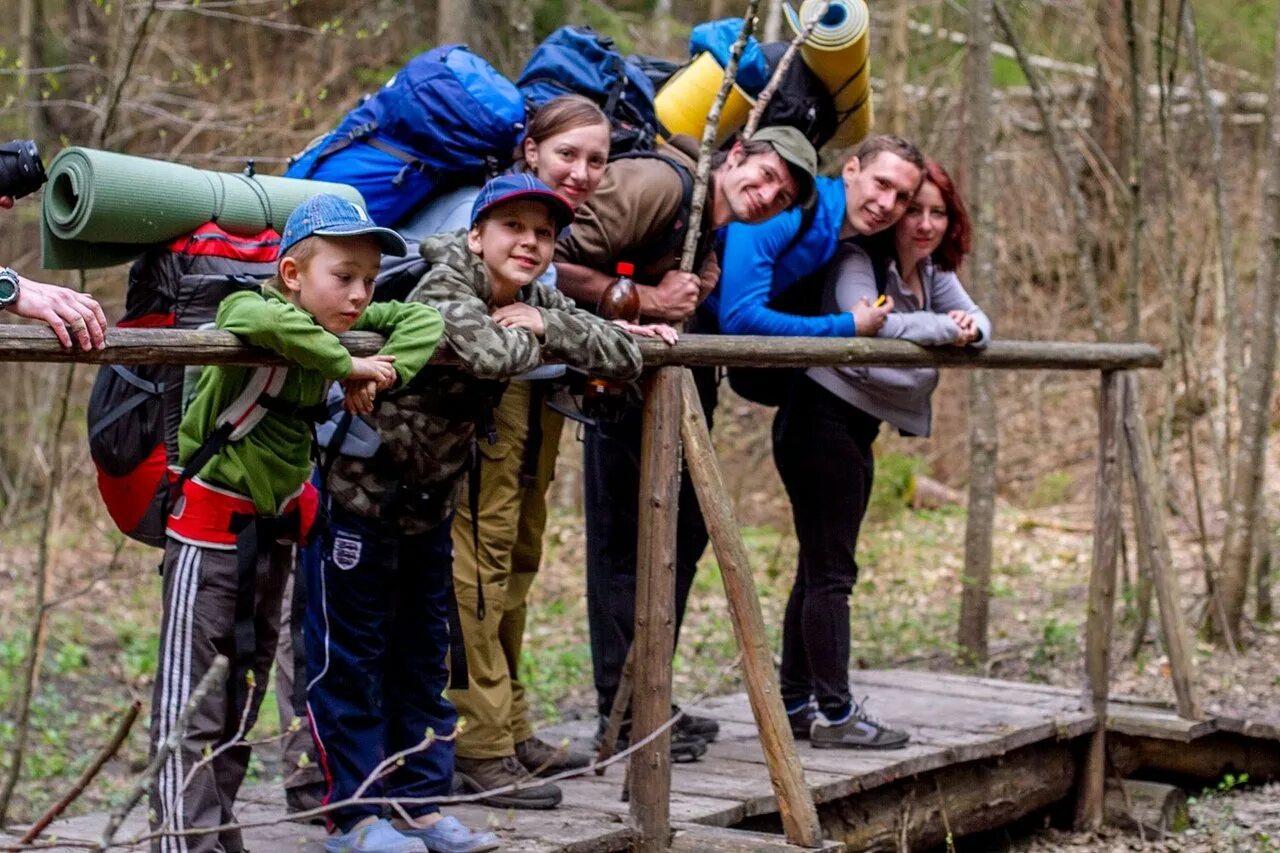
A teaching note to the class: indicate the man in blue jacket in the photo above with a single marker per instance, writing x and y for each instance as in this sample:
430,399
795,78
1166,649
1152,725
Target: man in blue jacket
764,260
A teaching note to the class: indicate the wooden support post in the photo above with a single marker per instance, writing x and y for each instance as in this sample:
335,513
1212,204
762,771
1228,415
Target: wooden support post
795,801
1150,515
1102,597
650,772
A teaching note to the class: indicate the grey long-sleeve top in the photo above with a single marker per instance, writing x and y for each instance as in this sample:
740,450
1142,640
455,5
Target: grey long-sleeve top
898,395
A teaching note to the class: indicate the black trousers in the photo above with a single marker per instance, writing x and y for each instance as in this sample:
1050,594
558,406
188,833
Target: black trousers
612,472
822,447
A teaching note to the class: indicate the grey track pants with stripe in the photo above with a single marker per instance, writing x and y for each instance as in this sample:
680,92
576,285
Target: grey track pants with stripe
192,791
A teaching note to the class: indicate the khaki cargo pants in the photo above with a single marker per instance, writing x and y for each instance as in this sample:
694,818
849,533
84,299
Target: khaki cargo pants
511,522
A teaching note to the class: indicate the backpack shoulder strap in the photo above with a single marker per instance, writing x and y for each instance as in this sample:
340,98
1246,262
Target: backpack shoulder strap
675,236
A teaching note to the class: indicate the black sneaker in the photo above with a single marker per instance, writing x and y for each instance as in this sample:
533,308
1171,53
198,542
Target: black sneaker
859,731
700,727
801,721
684,746
305,798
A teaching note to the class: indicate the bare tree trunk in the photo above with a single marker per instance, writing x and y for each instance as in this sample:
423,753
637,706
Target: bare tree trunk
520,16
1108,94
772,30
1262,565
1133,286
1256,386
1229,317
983,434
895,93
1062,155
453,22
30,56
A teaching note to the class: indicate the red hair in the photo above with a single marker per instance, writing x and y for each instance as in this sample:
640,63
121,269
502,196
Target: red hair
958,239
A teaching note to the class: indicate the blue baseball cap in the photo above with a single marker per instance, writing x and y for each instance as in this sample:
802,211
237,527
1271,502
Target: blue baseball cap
519,185
329,215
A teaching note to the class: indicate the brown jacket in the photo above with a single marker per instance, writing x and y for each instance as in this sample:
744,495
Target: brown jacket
632,214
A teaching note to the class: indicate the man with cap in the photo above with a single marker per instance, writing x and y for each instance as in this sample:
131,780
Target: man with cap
379,586
640,214
244,446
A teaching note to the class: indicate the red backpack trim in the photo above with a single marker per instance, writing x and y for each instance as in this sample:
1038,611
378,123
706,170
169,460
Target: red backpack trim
209,239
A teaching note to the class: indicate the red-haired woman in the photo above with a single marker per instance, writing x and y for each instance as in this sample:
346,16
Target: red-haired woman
822,440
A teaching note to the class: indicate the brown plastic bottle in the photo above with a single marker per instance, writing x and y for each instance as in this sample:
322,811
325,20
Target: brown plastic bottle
621,300
604,399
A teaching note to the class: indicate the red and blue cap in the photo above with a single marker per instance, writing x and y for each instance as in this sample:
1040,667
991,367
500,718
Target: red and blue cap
329,215
518,185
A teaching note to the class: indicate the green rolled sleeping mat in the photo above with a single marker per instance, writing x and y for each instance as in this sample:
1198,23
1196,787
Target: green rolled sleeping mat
102,208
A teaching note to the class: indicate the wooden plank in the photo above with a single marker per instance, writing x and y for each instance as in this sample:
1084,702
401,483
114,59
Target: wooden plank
691,838
605,795
1165,724
1267,730
565,829
650,768
1151,517
859,770
908,708
968,687
798,813
1102,594
711,777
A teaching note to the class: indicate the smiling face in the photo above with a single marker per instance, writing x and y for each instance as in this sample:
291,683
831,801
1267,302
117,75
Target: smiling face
755,187
571,162
331,278
920,231
877,193
515,241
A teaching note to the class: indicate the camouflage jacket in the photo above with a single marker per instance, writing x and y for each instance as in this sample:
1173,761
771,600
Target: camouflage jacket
428,427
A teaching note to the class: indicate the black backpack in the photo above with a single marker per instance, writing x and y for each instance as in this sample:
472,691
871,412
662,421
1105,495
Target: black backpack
801,100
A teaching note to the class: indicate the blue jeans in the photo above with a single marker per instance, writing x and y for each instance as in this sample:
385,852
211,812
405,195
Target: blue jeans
377,636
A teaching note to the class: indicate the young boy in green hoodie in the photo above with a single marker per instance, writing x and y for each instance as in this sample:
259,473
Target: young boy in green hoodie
245,447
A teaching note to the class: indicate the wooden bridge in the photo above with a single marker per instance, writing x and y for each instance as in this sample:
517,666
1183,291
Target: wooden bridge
982,752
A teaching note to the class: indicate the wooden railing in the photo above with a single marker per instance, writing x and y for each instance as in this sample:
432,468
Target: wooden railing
673,420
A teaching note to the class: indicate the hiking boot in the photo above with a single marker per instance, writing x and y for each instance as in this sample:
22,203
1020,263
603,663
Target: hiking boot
377,837
700,727
478,775
542,759
305,798
858,730
685,747
450,835
801,721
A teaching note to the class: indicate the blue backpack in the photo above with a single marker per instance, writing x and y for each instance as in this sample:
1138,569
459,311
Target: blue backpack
445,119
578,60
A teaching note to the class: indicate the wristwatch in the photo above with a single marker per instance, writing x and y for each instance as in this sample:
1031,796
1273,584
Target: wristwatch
8,288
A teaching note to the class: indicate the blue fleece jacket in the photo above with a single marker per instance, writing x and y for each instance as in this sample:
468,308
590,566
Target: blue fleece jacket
758,265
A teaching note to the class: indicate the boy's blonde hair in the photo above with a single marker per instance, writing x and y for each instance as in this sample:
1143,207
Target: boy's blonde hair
302,252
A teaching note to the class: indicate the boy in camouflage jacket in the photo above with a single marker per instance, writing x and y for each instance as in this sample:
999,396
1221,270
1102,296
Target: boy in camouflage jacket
380,581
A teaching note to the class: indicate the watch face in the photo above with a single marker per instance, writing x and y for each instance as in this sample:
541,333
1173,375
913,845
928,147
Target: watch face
8,290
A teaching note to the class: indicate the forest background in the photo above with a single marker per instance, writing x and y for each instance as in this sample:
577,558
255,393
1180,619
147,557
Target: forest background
214,83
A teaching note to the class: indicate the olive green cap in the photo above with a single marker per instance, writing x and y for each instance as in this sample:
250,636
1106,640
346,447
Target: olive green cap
794,148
